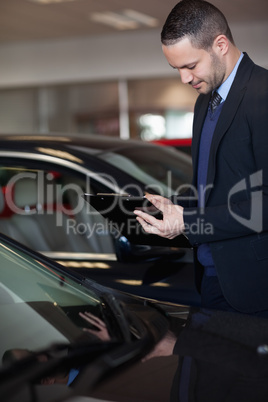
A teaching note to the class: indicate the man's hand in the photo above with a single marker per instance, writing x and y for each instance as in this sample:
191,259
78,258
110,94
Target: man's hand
172,223
101,332
163,348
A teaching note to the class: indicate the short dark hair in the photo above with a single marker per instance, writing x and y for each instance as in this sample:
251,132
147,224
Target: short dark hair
198,20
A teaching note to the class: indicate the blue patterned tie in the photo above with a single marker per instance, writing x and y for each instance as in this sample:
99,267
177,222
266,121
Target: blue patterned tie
215,101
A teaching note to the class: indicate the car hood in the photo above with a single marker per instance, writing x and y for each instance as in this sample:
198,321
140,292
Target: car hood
216,356
161,350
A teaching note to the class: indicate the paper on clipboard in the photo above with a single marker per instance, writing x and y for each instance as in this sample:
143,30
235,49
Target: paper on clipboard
119,209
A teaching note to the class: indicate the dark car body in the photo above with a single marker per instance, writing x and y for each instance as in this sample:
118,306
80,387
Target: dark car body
155,351
182,144
43,179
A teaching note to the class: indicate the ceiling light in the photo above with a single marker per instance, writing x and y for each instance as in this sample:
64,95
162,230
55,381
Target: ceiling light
141,18
126,19
49,1
117,21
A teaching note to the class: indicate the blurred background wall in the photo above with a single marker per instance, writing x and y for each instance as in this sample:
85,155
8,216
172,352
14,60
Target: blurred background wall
117,84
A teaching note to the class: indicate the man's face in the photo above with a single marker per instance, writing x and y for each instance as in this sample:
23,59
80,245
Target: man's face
203,70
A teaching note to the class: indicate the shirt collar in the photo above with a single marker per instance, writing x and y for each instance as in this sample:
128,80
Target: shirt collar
224,89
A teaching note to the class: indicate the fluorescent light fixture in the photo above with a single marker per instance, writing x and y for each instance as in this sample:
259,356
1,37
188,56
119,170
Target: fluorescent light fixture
141,18
49,1
115,20
126,19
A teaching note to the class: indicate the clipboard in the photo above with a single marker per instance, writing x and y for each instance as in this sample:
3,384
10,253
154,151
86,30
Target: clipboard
119,209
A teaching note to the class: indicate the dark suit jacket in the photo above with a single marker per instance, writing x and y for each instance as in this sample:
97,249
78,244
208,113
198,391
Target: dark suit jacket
235,219
223,361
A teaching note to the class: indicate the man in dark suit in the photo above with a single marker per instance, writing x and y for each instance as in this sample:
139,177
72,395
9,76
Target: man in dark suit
221,357
225,215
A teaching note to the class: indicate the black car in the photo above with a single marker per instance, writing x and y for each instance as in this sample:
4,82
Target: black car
66,338
43,180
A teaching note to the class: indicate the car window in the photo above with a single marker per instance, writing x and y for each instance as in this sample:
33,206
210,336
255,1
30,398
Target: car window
38,306
44,210
162,170
151,184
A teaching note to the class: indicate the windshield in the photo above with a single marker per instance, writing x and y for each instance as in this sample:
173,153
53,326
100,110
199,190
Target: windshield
162,170
39,306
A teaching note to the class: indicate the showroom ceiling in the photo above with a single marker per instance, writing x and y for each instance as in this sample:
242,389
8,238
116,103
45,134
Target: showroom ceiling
32,20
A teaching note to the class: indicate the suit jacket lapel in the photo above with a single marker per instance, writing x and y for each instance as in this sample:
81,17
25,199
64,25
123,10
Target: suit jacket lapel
226,117
228,113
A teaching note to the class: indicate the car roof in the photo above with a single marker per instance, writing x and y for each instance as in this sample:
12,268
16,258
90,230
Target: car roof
94,141
99,143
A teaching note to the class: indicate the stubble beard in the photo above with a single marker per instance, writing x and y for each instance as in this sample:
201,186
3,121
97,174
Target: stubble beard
216,77
218,71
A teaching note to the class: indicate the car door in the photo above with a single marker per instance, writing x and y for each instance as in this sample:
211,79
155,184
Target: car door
43,208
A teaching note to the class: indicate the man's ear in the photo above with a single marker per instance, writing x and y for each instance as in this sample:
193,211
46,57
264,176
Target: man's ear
221,45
